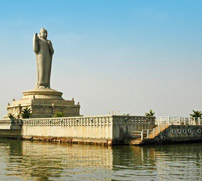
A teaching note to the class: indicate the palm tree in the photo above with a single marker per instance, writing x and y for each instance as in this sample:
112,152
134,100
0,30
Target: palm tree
196,114
26,113
150,113
11,116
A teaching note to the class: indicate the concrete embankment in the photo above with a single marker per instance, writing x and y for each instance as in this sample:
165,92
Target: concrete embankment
104,130
180,133
164,134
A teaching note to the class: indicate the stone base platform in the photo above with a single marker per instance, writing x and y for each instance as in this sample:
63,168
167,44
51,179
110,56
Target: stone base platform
43,102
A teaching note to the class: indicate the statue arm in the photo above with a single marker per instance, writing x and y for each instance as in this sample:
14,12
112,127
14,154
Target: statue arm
35,43
50,48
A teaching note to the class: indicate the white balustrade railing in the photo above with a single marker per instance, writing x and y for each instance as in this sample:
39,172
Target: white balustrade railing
142,134
107,120
178,120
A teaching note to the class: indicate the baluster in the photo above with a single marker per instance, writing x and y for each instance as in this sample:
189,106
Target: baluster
142,135
147,133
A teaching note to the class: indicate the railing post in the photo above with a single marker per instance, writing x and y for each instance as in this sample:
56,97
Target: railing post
168,120
142,135
147,133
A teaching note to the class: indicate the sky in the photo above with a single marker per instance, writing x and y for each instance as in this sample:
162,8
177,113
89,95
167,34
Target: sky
126,56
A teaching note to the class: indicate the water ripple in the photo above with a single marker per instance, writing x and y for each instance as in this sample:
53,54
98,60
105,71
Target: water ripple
48,161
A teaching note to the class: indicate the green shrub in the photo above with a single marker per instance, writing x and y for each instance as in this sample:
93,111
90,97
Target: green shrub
26,113
59,114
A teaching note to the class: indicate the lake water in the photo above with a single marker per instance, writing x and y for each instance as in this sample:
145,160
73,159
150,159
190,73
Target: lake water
25,160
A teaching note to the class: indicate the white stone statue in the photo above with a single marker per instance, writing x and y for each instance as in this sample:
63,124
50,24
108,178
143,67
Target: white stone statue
44,52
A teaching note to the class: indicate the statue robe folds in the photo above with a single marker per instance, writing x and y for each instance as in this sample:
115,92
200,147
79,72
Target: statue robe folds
44,53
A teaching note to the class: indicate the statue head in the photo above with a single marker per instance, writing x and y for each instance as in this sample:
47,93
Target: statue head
43,33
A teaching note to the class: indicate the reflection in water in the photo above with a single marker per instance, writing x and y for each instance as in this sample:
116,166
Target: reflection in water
160,162
49,161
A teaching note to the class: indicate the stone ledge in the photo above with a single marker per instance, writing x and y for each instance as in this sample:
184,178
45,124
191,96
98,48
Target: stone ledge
42,93
89,141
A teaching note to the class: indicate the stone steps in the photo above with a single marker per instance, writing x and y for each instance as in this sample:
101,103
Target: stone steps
158,129
137,141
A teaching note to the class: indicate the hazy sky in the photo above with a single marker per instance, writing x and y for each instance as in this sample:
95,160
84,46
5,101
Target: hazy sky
121,55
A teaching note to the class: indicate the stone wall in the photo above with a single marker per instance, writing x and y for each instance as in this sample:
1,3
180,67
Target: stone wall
124,126
176,134
12,133
70,129
5,124
184,132
92,129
